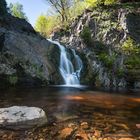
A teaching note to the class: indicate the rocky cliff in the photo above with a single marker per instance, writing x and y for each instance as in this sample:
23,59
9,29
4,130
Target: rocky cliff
26,58
108,39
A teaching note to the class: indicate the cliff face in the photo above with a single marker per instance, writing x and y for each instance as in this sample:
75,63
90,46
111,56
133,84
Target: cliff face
26,58
109,41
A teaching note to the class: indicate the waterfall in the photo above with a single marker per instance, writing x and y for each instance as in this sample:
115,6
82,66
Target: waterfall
70,74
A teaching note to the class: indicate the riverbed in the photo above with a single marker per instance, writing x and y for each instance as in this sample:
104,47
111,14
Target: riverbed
76,114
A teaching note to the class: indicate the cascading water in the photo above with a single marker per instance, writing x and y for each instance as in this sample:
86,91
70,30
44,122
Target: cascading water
70,74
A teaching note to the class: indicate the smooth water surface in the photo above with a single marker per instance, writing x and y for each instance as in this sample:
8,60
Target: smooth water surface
108,112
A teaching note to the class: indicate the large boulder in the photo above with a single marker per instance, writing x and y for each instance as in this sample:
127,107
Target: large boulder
26,58
22,117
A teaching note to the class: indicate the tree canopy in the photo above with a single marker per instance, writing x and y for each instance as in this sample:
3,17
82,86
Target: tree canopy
16,9
62,7
46,24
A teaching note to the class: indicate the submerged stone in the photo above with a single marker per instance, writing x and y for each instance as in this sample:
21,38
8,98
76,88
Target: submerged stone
22,117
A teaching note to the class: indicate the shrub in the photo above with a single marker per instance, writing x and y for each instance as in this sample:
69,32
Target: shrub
129,47
107,60
120,72
86,35
133,62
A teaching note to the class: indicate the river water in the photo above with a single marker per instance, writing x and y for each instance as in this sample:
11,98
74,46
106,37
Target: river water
108,112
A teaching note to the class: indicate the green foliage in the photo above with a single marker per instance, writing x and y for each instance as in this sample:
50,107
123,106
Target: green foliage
110,2
46,24
120,72
13,79
132,52
107,60
86,35
95,3
3,7
76,9
133,62
16,10
129,47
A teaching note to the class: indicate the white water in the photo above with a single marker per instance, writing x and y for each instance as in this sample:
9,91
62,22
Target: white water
70,74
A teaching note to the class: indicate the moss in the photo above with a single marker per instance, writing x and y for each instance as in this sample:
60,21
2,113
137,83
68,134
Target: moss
13,79
86,35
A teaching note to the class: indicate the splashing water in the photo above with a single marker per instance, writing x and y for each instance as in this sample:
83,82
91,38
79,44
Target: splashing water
70,74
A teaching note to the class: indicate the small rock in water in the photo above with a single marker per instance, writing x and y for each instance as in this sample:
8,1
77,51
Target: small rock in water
65,133
138,126
97,133
84,125
72,125
22,117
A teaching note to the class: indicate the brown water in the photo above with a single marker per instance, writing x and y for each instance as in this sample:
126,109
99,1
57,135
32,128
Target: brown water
112,114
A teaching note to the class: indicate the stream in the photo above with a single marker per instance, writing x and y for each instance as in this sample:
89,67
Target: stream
114,115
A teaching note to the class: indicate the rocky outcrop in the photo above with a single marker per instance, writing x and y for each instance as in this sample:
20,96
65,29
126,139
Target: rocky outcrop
26,58
22,117
108,38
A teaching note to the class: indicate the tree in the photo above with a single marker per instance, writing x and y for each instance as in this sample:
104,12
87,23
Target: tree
3,7
41,25
46,24
16,10
62,7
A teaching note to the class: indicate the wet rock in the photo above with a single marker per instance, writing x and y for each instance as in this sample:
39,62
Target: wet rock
22,117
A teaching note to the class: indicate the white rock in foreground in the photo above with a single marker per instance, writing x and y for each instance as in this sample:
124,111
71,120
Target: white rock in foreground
22,117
